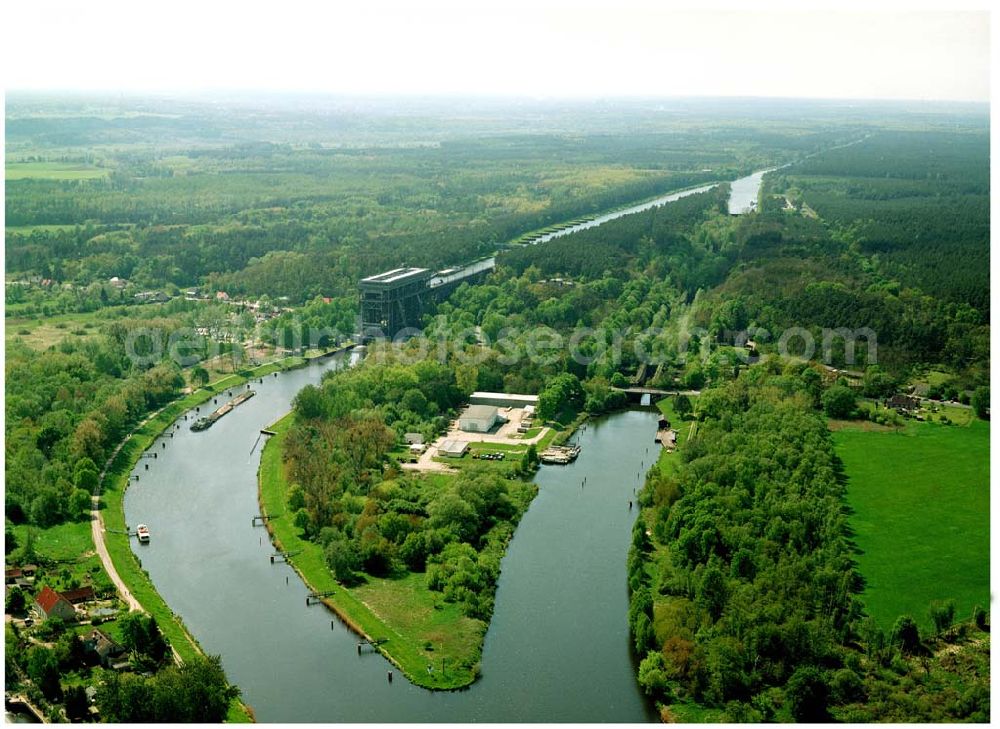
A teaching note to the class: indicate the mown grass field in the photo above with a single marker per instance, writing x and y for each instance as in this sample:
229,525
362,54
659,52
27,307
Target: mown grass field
921,504
401,610
52,171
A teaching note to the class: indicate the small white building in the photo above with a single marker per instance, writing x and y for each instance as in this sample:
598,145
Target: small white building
478,419
417,448
414,438
453,448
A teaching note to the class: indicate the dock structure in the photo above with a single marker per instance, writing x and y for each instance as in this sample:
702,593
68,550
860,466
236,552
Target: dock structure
262,519
667,437
374,643
314,598
560,455
283,556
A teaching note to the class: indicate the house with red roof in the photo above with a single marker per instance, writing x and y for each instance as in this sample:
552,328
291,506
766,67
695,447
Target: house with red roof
50,603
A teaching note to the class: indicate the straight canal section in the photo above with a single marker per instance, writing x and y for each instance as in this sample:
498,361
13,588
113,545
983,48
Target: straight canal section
558,645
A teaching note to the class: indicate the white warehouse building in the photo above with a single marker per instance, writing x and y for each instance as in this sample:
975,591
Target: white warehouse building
478,419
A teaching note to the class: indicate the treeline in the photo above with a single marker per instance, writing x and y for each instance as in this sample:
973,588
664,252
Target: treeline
745,599
68,407
65,412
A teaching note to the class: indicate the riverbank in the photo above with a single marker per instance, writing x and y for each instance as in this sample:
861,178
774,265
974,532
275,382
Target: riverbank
114,536
403,648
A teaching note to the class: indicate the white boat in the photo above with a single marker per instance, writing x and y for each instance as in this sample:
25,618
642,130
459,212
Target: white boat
142,531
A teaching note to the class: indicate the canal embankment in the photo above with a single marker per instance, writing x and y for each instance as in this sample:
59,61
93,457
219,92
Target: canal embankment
114,532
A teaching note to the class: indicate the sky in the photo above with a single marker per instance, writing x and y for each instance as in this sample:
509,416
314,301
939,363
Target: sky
533,48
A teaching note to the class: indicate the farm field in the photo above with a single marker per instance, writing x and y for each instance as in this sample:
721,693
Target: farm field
920,501
52,171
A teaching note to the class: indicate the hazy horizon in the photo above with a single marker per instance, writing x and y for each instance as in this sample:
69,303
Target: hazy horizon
545,50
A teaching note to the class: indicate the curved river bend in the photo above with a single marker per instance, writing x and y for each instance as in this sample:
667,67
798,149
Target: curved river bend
557,648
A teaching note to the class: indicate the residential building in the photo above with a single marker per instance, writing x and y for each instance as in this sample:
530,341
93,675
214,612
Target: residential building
50,603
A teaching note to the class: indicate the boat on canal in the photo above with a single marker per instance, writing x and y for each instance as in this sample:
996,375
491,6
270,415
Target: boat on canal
209,420
560,455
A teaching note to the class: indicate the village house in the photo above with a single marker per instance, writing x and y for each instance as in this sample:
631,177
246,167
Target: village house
103,648
23,576
12,575
79,595
903,402
49,604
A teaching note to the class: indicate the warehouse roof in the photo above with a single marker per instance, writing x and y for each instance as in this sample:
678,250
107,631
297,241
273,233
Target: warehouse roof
480,412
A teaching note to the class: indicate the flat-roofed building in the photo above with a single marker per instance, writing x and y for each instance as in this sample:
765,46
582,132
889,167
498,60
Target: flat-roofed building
478,419
453,448
392,301
503,399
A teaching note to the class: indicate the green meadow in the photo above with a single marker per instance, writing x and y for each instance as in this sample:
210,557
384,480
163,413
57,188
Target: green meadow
52,171
921,516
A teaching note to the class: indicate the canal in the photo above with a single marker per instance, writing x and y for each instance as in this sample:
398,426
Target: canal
557,648
614,215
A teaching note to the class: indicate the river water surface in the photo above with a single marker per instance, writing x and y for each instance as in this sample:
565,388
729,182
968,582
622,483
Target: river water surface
557,648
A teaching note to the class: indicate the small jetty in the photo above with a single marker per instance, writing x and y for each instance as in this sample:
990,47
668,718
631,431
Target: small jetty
374,643
665,435
560,455
283,556
208,421
314,598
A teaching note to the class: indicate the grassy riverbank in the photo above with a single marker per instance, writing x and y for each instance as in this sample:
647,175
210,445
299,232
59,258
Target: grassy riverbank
402,610
116,480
